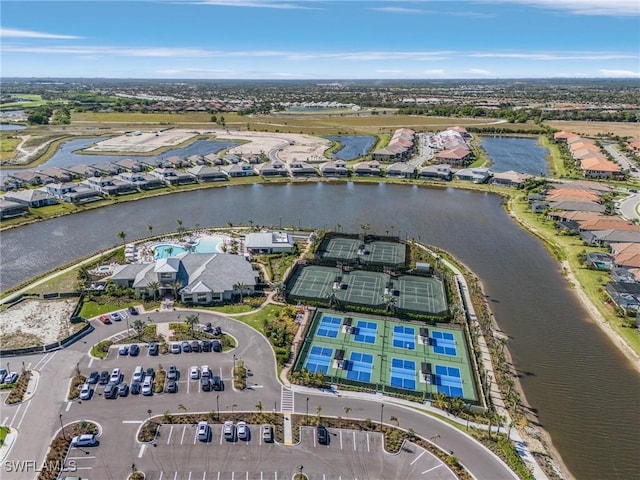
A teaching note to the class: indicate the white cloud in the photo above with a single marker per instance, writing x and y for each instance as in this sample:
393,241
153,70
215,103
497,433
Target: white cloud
254,4
17,33
479,71
583,7
619,73
434,71
401,10
555,56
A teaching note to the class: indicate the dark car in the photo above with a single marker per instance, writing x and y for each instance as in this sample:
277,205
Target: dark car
93,378
172,373
123,390
217,384
322,435
205,384
195,346
135,388
134,350
123,350
133,310
154,349
172,386
103,378
206,345
216,346
111,391
208,327
186,347
217,331
150,373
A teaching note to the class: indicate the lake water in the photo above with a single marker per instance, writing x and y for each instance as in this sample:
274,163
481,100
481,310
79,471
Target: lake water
524,155
353,146
8,128
585,391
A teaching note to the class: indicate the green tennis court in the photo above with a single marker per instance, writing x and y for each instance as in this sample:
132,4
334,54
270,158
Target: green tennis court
375,252
421,294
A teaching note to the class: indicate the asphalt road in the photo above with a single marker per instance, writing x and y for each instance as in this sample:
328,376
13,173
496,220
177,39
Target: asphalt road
38,419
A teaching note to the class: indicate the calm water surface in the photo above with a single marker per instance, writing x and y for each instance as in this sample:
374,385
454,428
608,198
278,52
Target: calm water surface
586,393
353,146
523,155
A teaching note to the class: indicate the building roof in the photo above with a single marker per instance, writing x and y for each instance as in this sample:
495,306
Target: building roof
268,240
599,165
218,272
457,153
29,195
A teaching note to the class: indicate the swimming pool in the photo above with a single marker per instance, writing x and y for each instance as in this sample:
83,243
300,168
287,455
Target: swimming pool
207,244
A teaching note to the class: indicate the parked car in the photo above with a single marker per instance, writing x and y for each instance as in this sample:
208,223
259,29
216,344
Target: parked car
136,387
110,391
229,431
123,390
243,431
11,378
154,349
205,384
105,319
172,386
217,331
267,433
206,345
3,374
206,371
147,387
93,378
186,346
138,374
85,392
172,373
208,327
116,376
216,346
203,431
217,384
103,378
322,435
134,350
175,348
133,310
86,440
115,317
123,350
194,373
195,346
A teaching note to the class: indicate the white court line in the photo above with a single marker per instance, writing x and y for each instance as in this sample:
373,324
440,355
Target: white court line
431,469
142,447
417,458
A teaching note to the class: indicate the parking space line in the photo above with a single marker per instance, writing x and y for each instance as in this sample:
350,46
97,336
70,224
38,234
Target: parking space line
170,432
221,435
247,476
431,469
188,386
417,458
142,447
368,445
218,475
161,473
195,437
340,439
4,422
189,476
23,415
276,476
175,475
91,362
354,441
68,406
184,430
204,475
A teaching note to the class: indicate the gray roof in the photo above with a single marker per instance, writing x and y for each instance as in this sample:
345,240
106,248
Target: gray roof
141,273
30,195
268,240
216,272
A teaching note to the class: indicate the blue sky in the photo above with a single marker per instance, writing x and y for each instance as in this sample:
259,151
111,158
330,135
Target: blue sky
309,39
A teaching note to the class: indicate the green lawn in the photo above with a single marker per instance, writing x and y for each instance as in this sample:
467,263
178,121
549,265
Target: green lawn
93,309
256,320
4,431
231,309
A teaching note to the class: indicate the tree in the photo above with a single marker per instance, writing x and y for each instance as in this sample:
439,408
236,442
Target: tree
122,235
241,287
154,286
394,419
138,327
214,119
169,251
176,285
259,406
347,410
192,321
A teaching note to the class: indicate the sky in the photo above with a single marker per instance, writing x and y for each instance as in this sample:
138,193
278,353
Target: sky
320,39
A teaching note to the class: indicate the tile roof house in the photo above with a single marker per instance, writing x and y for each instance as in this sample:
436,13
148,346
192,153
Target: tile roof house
600,168
275,168
457,157
440,172
626,254
400,147
510,178
401,170
240,169
475,175
563,136
142,181
171,176
301,169
33,198
58,174
367,168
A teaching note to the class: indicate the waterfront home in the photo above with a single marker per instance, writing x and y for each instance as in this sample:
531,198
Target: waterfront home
131,165
457,157
108,168
599,261
151,162
240,169
142,181
626,254
301,169
401,170
621,274
601,169
400,147
462,131
171,176
109,185
213,159
583,206
34,198
84,171
450,139
367,169
205,277
563,137
73,192
9,209
204,173
269,242
58,174
7,184
600,238
510,178
624,295
196,160
334,168
29,178
175,162
475,175
439,172
275,168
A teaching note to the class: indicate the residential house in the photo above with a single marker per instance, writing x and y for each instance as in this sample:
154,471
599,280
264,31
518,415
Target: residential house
334,168
58,174
33,179
584,206
8,183
601,169
562,137
301,169
171,176
622,275
626,254
439,172
400,147
108,168
110,185
371,168
34,197
240,169
624,295
401,170
599,261
204,173
74,192
460,156
84,171
142,181
475,175
213,159
602,237
274,168
175,162
9,209
269,242
510,179
131,165
196,160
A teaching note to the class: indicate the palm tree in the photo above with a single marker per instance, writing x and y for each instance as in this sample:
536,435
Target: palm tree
394,419
441,401
347,410
192,321
259,406
169,251
176,285
138,327
122,235
154,286
241,287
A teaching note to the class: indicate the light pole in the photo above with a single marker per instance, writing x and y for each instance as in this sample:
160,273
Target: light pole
218,406
234,363
62,428
307,417
381,415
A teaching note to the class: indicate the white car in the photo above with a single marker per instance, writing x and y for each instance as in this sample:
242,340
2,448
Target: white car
84,441
85,392
203,431
11,378
147,388
194,373
206,371
116,376
138,374
243,431
229,431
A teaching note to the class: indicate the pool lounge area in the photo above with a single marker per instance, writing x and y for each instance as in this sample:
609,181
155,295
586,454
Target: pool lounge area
204,244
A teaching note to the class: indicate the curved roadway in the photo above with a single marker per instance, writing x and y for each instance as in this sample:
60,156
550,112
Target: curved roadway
39,418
